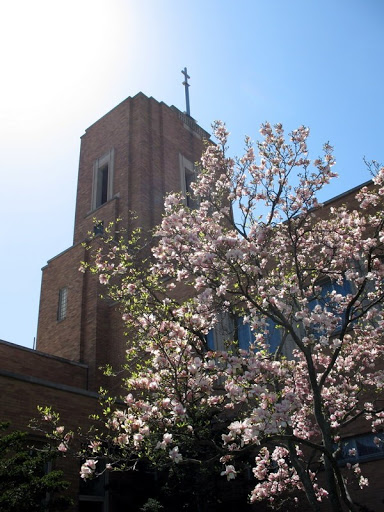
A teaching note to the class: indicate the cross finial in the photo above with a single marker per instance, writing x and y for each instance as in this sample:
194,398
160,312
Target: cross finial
186,85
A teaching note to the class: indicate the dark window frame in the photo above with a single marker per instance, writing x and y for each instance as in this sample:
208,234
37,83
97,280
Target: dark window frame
62,305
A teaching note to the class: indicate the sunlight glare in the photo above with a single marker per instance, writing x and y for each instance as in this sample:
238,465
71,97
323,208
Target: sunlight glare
54,53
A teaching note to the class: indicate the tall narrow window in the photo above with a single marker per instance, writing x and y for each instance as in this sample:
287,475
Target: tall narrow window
223,334
102,192
187,177
102,180
62,304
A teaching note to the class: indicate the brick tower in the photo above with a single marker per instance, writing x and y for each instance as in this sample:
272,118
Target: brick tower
129,159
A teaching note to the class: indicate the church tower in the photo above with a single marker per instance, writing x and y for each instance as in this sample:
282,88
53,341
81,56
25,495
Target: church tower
129,160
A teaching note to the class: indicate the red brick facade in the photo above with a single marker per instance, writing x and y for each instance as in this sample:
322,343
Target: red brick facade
29,378
146,139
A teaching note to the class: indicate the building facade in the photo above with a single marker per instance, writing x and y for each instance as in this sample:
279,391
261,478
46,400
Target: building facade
129,160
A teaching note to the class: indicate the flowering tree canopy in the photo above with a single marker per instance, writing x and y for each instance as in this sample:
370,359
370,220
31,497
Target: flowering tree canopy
258,255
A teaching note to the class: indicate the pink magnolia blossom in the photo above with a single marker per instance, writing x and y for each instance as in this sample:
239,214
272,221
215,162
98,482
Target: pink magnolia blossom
229,472
259,254
62,448
88,468
175,455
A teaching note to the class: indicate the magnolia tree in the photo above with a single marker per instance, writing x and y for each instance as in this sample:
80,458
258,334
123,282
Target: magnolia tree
261,250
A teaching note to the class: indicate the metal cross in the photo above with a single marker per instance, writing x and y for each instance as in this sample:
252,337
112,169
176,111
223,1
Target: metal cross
186,85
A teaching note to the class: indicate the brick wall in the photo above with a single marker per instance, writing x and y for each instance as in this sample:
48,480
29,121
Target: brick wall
62,338
28,379
147,138
30,363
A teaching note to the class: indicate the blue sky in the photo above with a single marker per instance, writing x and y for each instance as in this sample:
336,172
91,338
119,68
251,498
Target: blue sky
65,64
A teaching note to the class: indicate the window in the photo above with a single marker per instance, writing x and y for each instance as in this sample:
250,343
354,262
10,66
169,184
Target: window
244,333
223,333
102,180
327,287
361,448
102,188
62,305
325,301
187,177
229,327
246,336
